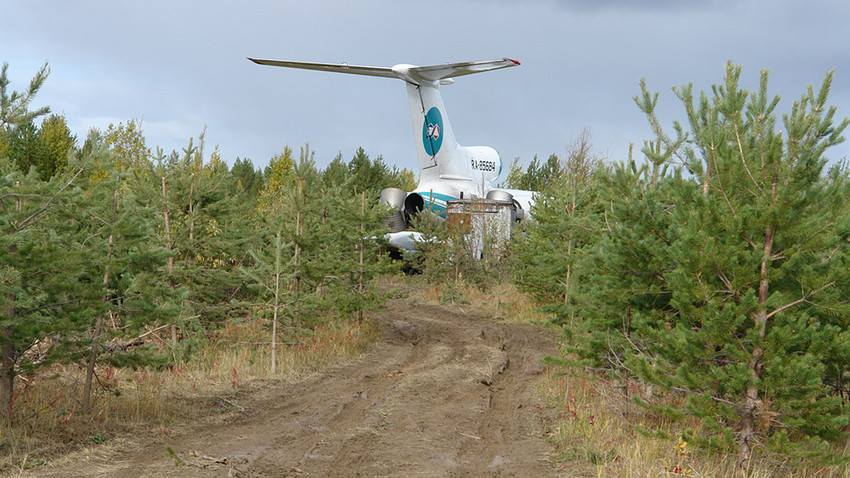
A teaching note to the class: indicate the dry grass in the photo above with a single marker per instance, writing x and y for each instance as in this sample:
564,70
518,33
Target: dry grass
48,418
599,425
245,349
501,301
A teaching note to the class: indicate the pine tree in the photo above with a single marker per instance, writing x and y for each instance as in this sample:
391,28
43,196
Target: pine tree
43,149
353,252
127,141
538,176
515,176
289,206
247,179
58,142
730,273
328,242
568,220
43,275
269,272
15,108
335,173
198,224
123,261
25,148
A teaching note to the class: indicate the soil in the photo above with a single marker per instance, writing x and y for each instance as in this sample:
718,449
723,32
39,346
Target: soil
444,393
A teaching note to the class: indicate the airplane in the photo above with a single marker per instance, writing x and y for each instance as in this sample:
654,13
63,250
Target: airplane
448,170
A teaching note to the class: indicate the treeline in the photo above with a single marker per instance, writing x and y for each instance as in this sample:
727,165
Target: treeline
106,241
716,273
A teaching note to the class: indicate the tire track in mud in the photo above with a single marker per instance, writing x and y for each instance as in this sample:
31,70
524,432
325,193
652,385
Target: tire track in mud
444,393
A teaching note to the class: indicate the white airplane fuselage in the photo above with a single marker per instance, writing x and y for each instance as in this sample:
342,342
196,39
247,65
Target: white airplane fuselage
448,170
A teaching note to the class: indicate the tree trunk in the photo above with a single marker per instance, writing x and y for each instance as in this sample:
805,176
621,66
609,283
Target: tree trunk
360,288
191,221
296,279
751,401
90,368
9,354
276,301
169,244
98,327
569,271
571,211
7,369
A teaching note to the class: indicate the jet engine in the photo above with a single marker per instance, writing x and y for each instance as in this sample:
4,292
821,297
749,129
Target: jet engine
504,196
413,204
395,198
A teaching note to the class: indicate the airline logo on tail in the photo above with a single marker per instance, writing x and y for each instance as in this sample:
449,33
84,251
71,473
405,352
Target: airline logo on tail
432,128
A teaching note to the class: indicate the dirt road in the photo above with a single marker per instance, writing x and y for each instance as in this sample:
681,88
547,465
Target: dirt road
444,394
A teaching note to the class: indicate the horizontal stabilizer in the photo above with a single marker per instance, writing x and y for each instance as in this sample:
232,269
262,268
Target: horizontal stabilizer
339,68
451,70
411,73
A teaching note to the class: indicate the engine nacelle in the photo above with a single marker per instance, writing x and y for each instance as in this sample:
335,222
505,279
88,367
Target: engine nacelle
395,198
413,204
405,206
504,196
432,201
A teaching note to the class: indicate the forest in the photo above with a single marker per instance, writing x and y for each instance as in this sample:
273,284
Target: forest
707,273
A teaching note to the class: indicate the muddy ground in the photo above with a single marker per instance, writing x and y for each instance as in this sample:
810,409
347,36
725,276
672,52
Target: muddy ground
445,393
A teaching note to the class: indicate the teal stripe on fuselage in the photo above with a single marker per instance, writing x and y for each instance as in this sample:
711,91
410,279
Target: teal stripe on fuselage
436,202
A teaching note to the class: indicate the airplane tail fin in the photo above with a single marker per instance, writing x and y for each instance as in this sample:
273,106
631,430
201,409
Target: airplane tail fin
437,150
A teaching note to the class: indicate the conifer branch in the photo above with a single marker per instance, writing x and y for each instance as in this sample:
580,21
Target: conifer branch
800,300
750,241
730,289
49,306
13,108
720,186
46,205
817,232
743,159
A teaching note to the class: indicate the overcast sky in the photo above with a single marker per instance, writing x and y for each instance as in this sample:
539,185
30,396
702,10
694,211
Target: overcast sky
180,65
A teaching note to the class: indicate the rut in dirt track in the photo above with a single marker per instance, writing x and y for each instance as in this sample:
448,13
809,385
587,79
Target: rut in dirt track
444,394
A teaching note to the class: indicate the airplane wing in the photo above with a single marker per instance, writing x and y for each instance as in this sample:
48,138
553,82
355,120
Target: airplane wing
338,68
